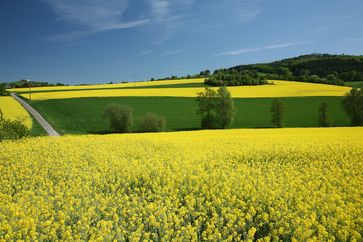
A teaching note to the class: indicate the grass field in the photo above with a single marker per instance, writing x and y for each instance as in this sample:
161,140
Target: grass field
83,115
277,89
225,185
355,84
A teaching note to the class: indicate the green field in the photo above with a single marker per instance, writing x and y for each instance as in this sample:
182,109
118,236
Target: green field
354,84
36,129
84,115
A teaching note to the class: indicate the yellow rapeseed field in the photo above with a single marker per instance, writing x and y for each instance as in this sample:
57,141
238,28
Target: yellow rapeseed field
267,185
279,89
110,86
13,110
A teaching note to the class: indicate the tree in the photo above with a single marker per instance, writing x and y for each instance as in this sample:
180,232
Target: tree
152,122
284,72
215,108
277,110
120,117
204,73
206,107
3,89
323,115
225,109
331,77
353,106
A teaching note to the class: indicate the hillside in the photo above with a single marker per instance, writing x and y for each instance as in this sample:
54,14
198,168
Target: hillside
323,68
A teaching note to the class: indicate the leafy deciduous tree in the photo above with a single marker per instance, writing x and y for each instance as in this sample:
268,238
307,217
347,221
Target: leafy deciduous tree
323,115
277,110
353,106
215,108
224,107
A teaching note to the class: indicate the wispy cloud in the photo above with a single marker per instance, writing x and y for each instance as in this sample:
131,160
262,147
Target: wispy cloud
146,52
170,15
245,10
91,16
173,52
268,47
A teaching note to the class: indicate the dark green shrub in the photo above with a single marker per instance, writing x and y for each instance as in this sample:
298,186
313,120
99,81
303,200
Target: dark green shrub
152,122
120,117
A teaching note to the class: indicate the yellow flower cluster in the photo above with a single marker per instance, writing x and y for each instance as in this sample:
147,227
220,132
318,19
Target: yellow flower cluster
279,89
233,185
110,86
13,110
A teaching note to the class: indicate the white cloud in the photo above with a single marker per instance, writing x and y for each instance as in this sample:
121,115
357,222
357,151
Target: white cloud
268,47
245,10
92,16
170,15
173,52
146,52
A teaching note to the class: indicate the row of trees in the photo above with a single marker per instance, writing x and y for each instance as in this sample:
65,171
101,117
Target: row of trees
352,105
217,110
121,120
235,78
278,113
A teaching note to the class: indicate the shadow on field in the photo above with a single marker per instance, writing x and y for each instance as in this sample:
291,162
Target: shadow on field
102,132
137,131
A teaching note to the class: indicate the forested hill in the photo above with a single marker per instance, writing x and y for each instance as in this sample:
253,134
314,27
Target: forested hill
314,68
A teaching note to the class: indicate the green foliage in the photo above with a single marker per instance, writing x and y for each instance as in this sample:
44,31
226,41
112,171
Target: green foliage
323,115
224,77
205,73
216,108
225,108
277,111
353,106
24,84
152,122
206,108
120,117
317,68
12,129
3,91
355,84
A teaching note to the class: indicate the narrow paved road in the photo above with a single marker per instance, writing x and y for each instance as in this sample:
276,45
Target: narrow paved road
46,126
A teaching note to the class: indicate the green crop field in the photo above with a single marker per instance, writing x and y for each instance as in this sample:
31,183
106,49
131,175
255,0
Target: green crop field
84,115
355,84
36,129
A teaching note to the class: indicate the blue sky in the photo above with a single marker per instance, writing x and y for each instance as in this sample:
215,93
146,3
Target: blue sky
97,41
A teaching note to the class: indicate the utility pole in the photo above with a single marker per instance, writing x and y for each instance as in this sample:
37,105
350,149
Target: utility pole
29,85
134,82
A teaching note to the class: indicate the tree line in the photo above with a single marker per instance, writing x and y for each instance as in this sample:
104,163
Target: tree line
316,68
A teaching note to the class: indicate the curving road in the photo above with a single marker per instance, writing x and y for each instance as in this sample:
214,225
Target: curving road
46,126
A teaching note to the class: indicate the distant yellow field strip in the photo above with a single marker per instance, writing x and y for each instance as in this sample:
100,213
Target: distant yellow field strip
278,89
14,111
110,86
